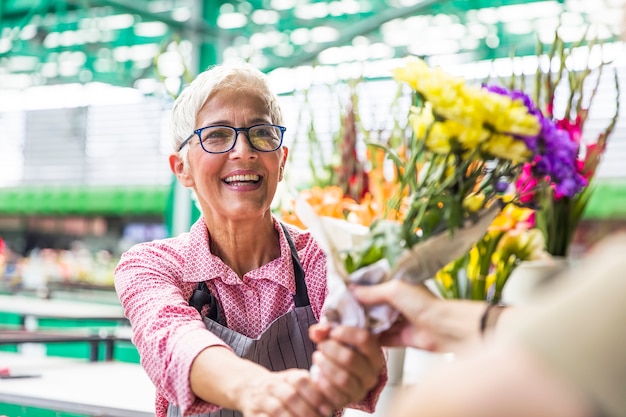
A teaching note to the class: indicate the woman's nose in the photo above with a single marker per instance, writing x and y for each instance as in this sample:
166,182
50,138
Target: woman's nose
242,145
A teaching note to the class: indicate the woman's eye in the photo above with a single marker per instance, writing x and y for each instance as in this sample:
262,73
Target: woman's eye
218,134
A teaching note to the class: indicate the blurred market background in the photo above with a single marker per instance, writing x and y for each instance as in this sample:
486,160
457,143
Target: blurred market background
86,87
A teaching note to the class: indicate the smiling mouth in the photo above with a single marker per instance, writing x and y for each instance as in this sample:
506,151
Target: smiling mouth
242,179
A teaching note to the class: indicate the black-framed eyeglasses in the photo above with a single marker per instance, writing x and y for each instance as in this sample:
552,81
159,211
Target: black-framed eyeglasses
221,139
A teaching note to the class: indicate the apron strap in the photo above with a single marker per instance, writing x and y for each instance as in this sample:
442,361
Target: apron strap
202,296
301,298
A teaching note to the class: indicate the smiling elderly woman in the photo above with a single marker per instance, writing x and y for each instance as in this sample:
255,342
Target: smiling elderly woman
220,315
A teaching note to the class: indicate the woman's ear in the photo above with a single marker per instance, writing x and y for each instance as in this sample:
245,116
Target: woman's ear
177,165
282,163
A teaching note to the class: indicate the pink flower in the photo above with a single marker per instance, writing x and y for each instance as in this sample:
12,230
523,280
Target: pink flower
526,185
574,128
592,159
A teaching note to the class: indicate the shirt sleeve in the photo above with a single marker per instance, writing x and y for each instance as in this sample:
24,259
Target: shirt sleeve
579,333
167,331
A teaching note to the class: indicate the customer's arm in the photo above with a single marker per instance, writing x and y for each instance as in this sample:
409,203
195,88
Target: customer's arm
497,381
566,358
430,323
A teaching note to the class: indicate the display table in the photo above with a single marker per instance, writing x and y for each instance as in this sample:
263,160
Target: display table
111,389
36,308
94,339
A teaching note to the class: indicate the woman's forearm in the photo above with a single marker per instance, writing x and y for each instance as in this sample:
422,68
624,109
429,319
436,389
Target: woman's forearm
219,376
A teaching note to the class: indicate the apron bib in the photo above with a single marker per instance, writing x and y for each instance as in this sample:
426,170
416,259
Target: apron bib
283,345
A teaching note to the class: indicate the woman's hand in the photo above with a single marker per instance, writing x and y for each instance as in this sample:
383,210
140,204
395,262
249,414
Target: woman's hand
348,362
290,393
218,376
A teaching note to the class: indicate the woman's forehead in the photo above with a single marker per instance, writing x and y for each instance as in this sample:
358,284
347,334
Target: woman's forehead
229,104
240,96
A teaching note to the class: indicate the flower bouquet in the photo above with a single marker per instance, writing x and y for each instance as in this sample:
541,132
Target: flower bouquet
465,145
552,189
560,204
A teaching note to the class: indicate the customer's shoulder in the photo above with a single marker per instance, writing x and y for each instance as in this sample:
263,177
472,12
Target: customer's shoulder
610,244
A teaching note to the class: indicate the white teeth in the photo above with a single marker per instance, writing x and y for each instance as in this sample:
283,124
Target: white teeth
242,178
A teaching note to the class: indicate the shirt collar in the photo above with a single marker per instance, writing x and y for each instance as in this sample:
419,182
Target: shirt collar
201,265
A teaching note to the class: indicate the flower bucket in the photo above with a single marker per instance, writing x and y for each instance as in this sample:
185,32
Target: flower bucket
530,276
419,363
395,365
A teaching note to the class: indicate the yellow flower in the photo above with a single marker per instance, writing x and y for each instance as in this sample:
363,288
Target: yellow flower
523,244
421,120
506,115
471,107
445,278
474,202
473,266
520,122
414,70
472,136
507,147
490,279
438,140
535,245
446,96
511,217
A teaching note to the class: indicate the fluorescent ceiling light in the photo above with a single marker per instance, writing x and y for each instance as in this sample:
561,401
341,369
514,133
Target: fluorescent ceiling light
529,11
340,8
283,4
323,34
150,29
300,36
232,20
311,11
265,17
181,14
115,22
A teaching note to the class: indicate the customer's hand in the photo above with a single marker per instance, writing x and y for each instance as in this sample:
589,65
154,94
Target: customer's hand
412,302
349,362
426,321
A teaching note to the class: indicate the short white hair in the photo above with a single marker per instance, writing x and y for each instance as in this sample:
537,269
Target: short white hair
234,76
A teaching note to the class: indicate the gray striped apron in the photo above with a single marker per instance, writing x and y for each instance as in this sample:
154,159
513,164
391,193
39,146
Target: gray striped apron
283,345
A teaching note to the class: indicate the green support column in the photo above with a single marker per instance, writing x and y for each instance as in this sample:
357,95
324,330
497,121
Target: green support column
183,212
210,51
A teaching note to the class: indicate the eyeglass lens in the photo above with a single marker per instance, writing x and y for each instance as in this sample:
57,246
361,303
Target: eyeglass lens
218,139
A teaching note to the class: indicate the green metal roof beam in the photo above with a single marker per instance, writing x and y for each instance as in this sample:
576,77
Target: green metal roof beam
364,27
380,17
19,8
198,27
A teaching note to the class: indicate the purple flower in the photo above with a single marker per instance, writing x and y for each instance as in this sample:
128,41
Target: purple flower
501,186
557,159
554,149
